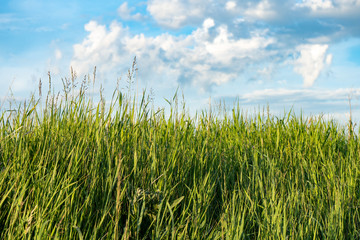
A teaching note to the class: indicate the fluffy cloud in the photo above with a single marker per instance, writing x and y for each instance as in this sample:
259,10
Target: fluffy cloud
311,61
209,55
224,48
177,13
334,8
99,48
126,13
262,10
226,38
315,5
230,5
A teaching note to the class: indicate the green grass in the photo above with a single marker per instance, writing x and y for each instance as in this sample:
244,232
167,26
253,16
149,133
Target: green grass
72,169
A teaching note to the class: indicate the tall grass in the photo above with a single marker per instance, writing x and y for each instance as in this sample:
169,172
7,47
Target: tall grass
73,169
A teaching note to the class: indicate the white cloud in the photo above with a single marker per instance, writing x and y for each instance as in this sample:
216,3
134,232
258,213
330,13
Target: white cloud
333,8
125,12
328,59
311,61
230,5
223,45
208,23
315,5
201,58
225,48
319,40
99,48
263,10
177,13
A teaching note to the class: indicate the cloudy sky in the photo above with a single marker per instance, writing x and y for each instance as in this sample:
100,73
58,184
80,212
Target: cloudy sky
300,54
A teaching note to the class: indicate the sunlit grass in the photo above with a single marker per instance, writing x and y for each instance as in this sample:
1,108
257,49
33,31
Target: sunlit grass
72,169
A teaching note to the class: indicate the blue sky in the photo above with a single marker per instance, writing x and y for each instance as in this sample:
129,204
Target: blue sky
300,54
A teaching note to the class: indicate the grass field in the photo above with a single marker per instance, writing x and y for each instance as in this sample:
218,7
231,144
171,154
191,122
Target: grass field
73,169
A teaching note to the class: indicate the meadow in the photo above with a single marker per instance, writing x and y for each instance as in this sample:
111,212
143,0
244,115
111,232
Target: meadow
73,168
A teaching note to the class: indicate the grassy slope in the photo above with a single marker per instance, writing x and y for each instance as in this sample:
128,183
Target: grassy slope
71,170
